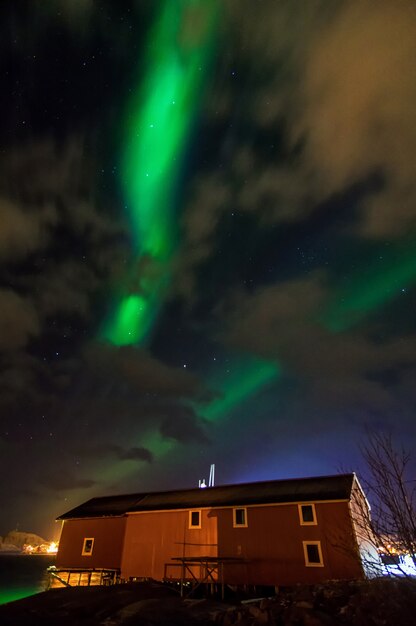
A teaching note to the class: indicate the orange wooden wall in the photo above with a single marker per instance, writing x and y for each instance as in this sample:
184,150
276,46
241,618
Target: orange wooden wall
272,543
108,534
153,538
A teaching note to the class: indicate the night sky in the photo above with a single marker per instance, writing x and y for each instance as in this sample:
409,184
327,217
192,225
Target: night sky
207,243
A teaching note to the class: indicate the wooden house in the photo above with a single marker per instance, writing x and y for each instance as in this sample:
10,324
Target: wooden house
277,532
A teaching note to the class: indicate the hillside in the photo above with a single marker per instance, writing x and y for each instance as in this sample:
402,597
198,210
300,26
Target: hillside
16,539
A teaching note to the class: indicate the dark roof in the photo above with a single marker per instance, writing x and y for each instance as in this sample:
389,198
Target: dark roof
108,506
336,487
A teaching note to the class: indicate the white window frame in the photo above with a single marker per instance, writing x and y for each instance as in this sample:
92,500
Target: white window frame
305,553
192,526
302,521
240,508
84,551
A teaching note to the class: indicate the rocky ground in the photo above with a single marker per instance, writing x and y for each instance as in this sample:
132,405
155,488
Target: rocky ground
375,603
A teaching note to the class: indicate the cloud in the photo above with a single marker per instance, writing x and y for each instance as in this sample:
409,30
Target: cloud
56,179
134,453
359,109
118,390
19,320
23,232
344,91
183,426
60,248
19,371
28,389
47,194
64,480
66,287
38,171
74,10
142,372
63,247
329,105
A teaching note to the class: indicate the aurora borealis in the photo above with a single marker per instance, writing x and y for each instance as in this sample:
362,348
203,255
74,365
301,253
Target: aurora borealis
207,243
159,120
373,286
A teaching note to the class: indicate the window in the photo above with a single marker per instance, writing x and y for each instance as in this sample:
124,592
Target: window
313,554
194,519
240,518
87,546
307,514
390,559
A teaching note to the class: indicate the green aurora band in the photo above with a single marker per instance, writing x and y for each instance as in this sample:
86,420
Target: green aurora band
372,286
159,122
243,376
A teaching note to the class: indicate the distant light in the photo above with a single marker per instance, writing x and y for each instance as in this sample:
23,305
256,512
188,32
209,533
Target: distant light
52,548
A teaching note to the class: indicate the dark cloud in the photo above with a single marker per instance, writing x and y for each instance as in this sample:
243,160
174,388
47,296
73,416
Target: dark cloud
58,251
107,391
103,451
345,103
18,319
359,116
184,426
23,232
337,108
136,454
62,480
54,182
142,372
143,392
19,372
68,288
75,11
40,171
